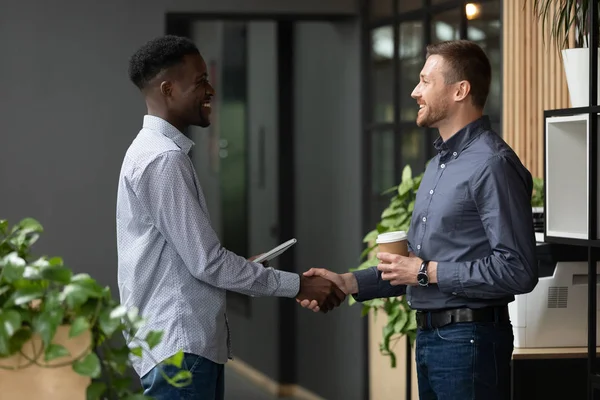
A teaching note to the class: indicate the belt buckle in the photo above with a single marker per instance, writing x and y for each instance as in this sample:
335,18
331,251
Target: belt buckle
421,317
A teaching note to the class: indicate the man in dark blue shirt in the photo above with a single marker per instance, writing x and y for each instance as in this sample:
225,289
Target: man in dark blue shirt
471,238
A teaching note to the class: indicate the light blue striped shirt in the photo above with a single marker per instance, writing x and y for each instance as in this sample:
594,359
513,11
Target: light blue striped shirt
172,266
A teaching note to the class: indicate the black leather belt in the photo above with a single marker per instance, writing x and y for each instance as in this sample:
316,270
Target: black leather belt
437,319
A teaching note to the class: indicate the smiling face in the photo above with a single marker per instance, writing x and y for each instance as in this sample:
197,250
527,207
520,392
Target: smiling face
189,93
433,95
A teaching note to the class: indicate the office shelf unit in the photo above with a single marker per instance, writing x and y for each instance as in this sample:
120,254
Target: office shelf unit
571,186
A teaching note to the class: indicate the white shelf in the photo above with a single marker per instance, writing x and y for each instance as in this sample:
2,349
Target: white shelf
567,166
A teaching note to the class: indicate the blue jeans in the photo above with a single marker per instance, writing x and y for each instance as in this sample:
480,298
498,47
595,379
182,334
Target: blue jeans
208,381
465,361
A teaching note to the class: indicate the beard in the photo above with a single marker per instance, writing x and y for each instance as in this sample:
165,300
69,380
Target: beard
431,114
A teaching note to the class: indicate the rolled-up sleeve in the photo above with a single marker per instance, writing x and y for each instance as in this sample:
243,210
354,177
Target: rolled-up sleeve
371,286
503,199
167,189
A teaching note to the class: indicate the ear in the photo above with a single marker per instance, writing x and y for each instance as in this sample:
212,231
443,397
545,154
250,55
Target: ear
462,90
166,88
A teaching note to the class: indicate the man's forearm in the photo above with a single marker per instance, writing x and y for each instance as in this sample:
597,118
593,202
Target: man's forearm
369,285
350,283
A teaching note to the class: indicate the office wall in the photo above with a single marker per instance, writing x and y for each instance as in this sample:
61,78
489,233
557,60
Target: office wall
534,81
327,142
256,336
68,111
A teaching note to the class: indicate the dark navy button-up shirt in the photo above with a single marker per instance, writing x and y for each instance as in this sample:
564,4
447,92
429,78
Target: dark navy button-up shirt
473,216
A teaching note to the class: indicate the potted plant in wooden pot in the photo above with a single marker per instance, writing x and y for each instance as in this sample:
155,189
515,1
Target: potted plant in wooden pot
59,331
388,353
396,217
567,21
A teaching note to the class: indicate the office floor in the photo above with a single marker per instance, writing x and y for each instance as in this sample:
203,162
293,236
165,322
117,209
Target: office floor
237,387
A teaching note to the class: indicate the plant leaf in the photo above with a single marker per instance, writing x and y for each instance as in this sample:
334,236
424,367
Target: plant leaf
153,338
181,378
120,355
412,321
26,295
3,226
176,359
57,274
10,322
137,351
368,250
88,366
121,383
46,323
29,225
17,341
371,236
390,190
95,390
406,173
54,351
107,324
74,295
119,312
79,325
13,273
400,320
405,187
388,212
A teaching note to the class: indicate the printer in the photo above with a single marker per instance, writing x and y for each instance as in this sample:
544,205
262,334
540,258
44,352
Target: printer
555,313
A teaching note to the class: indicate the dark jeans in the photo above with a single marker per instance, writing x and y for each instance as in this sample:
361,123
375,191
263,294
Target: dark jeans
465,361
208,381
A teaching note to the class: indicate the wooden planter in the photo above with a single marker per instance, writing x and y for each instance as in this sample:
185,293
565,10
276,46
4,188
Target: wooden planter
35,382
385,382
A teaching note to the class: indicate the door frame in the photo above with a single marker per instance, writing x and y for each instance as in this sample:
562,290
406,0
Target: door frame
178,23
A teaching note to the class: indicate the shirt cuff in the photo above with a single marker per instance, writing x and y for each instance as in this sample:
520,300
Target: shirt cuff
289,284
448,279
368,284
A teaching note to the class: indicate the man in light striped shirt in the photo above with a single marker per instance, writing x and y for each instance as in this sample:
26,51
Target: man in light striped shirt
172,266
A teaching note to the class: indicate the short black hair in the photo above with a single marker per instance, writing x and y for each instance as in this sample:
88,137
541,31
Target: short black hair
156,55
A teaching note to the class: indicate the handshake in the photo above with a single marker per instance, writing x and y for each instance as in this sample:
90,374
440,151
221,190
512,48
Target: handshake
323,290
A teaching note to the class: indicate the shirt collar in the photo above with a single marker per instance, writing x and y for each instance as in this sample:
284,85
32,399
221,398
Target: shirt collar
163,127
459,141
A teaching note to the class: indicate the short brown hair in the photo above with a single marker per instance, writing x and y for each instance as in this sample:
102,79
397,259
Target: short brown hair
466,61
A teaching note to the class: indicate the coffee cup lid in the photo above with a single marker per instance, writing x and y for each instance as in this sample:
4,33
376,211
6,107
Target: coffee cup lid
390,237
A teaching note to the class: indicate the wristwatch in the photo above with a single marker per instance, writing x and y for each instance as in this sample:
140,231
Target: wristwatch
422,276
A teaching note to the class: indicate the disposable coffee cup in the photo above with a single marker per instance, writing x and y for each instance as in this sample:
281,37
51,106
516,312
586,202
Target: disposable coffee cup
393,242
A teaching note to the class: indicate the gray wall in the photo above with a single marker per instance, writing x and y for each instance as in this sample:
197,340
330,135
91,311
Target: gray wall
262,325
69,112
328,214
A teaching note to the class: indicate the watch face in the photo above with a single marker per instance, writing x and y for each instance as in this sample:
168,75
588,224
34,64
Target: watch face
423,279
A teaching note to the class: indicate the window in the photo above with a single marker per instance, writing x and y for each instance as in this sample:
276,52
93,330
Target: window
398,32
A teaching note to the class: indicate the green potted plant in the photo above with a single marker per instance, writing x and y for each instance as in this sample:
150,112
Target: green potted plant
537,204
565,20
396,217
537,198
57,326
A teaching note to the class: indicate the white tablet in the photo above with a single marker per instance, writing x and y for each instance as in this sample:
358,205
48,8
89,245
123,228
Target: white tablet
271,254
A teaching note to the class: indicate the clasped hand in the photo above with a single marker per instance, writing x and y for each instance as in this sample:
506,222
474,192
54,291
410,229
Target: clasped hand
319,291
397,269
338,283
